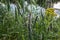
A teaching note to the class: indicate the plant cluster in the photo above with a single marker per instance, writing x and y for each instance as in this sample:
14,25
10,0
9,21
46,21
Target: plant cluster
26,27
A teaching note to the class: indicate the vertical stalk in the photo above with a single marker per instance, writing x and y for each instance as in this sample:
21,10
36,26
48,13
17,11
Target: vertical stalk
29,27
29,24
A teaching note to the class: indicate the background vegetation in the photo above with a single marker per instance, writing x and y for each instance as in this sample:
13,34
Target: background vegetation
23,26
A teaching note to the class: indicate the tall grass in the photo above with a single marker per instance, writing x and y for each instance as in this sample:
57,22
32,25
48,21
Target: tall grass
24,27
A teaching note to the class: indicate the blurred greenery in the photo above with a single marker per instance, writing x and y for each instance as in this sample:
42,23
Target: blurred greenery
26,26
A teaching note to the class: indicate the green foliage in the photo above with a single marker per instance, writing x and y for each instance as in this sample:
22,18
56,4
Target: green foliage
24,27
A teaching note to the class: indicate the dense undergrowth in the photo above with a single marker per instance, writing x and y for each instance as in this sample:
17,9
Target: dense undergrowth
26,27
